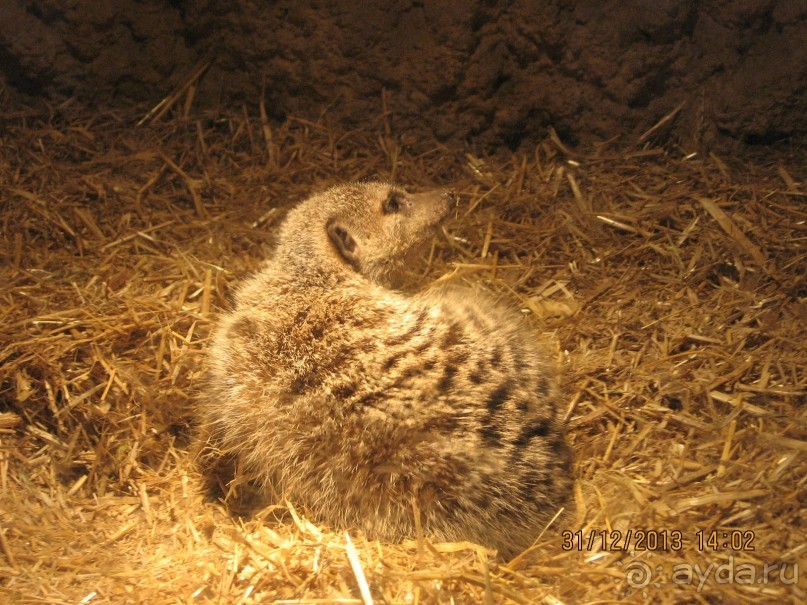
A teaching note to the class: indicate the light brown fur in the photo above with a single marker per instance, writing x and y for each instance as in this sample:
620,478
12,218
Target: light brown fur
351,399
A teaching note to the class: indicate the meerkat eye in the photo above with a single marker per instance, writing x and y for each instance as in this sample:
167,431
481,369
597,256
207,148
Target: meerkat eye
392,204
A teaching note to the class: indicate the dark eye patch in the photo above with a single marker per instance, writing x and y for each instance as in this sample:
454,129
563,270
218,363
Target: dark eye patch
393,203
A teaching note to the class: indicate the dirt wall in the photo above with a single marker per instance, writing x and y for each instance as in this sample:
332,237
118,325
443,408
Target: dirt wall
492,72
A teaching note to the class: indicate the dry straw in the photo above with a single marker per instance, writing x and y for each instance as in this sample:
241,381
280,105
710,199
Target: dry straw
673,284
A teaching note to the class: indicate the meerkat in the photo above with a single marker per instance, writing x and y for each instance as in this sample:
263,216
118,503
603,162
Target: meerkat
365,405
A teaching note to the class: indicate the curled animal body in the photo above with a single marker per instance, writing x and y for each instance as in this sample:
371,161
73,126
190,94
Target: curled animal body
362,404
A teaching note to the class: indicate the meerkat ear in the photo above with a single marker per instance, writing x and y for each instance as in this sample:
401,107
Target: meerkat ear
348,247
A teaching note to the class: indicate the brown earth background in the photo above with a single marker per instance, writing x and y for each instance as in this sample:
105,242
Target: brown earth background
492,73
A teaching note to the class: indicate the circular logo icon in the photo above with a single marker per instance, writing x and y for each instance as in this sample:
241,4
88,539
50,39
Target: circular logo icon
638,574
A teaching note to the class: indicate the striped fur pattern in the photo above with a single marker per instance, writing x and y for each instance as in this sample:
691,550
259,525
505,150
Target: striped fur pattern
351,399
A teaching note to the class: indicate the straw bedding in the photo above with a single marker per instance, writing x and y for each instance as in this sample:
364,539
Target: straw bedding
672,283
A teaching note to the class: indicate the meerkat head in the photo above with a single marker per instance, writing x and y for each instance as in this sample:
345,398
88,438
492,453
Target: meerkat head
368,228
378,225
